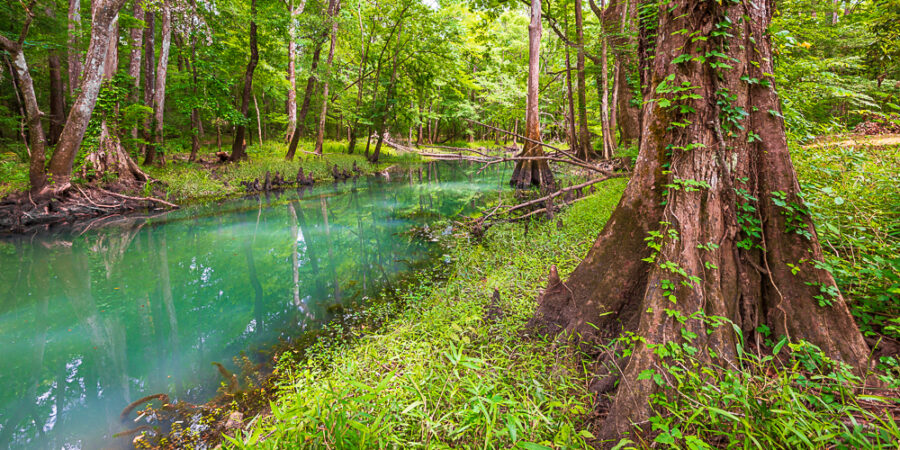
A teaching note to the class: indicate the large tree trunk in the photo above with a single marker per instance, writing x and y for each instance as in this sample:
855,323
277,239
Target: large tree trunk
721,247
334,7
304,108
238,151
134,63
70,139
533,172
74,47
159,88
585,149
36,176
110,156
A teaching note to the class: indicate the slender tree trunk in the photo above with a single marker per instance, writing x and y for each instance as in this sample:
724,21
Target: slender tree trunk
292,69
80,114
237,147
729,238
36,175
258,120
196,123
608,133
363,62
389,97
570,112
533,172
74,47
149,75
585,149
57,97
134,64
334,7
304,108
159,91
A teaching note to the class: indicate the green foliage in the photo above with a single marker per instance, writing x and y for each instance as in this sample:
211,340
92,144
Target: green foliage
808,401
851,193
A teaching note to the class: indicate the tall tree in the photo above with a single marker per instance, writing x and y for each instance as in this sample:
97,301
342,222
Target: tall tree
104,14
307,96
739,244
74,47
159,88
585,150
334,7
533,172
36,175
134,63
149,75
238,152
109,156
294,12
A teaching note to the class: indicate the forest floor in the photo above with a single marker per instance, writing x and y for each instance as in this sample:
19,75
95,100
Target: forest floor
451,364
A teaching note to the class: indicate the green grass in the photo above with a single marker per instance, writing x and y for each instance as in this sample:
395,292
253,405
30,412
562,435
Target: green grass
444,372
13,174
182,180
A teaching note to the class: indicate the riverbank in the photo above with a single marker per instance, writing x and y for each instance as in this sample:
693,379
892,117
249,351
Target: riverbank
455,368
180,183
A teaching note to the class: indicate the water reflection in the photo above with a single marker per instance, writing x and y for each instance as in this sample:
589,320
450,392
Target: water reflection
94,319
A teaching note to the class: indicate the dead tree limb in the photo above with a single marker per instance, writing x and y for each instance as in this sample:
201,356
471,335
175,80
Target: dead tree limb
141,199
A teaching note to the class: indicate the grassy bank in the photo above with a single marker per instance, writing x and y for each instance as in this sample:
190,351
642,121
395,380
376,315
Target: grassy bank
184,181
187,182
453,369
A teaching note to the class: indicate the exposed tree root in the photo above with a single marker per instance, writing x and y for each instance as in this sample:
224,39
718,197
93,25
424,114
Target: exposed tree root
68,205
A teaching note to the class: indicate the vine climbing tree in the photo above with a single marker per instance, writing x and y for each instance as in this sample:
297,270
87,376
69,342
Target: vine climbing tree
711,240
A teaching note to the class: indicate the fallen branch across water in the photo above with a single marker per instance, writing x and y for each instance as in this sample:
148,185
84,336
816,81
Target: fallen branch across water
479,222
140,199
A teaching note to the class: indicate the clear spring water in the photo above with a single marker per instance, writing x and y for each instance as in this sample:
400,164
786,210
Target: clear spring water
93,319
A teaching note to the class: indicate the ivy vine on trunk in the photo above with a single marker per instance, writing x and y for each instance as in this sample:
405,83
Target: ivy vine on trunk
712,228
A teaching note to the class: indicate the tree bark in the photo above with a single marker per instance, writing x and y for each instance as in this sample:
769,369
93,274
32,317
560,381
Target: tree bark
149,75
389,96
585,150
334,7
159,89
304,108
134,63
109,156
292,69
607,131
571,125
533,172
37,178
57,97
238,151
104,15
74,47
740,176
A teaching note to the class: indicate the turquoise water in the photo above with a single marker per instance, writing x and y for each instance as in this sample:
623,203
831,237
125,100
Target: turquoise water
95,319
